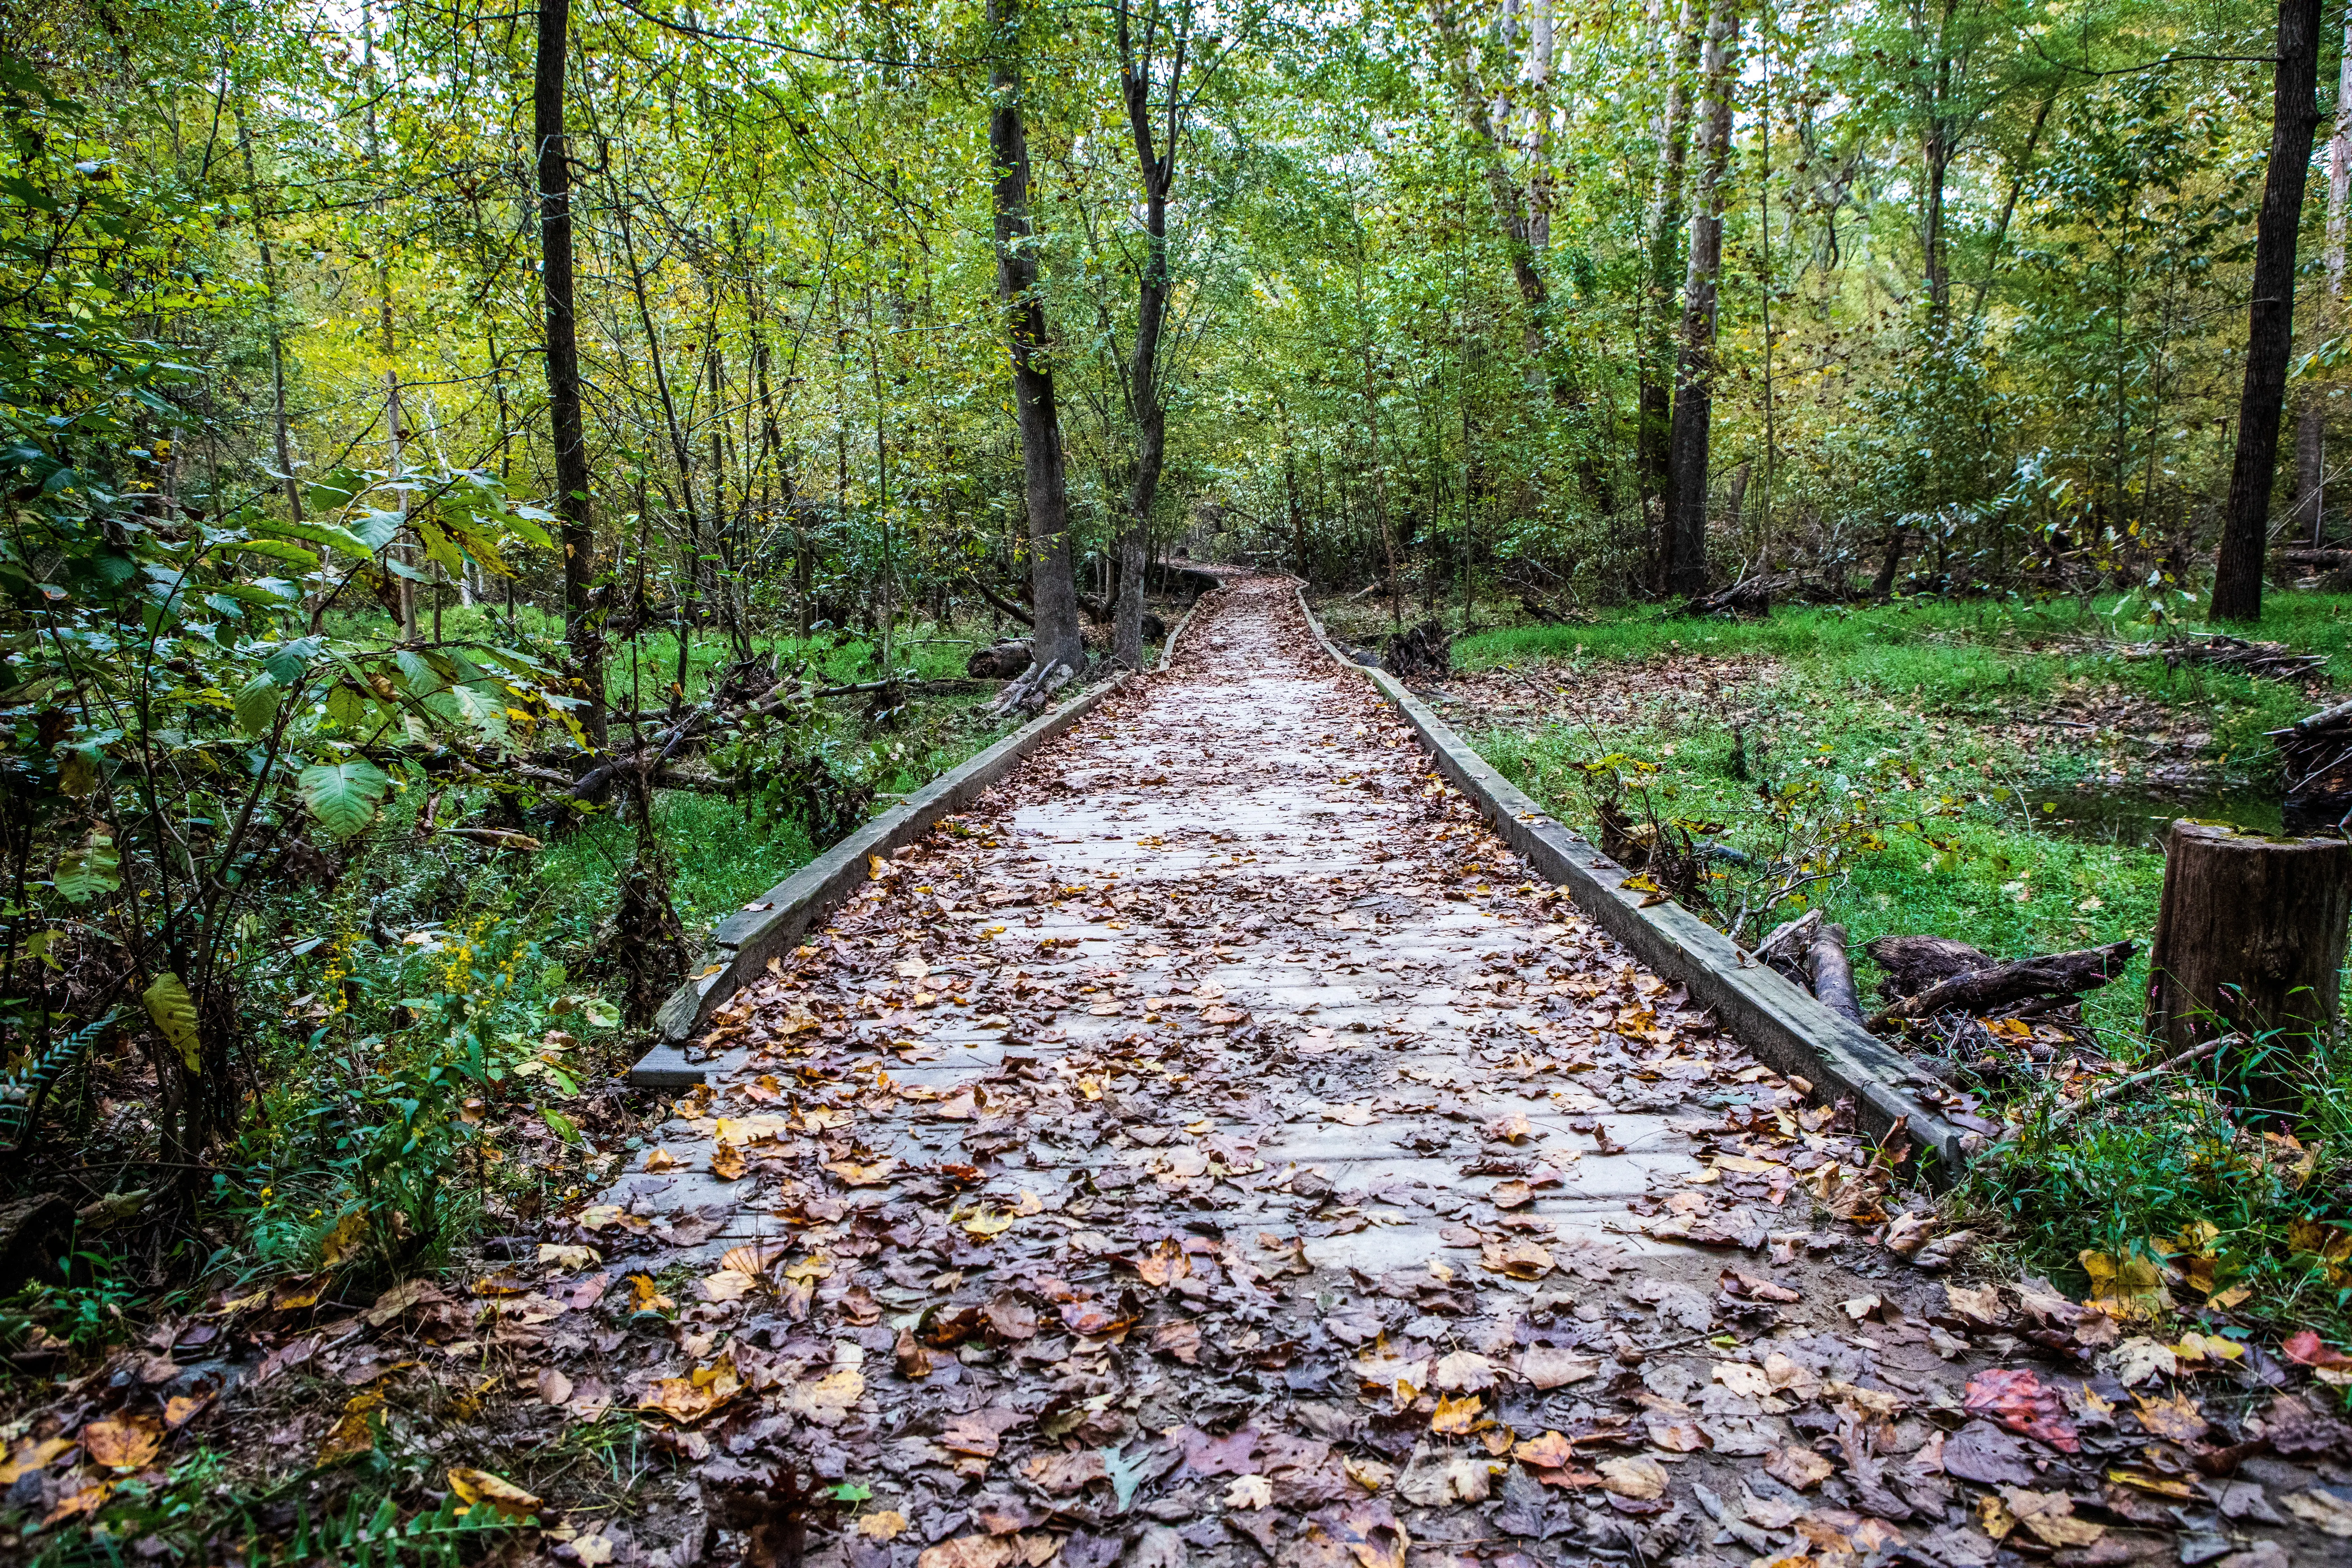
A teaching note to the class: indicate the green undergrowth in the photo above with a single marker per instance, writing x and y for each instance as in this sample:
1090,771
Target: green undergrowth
1880,750
434,1020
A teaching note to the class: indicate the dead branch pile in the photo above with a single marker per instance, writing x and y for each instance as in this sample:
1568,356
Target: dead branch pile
2318,755
1958,1006
2268,660
1427,650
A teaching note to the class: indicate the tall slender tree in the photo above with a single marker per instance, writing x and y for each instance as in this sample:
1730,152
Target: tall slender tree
576,531
1155,157
1055,644
2270,324
1695,374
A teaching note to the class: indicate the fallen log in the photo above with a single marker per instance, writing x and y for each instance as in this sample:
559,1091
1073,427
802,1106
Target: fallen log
1913,963
1749,596
2053,974
998,661
1831,970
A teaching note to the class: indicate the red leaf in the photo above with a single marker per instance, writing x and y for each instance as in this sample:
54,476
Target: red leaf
2306,1349
2018,1401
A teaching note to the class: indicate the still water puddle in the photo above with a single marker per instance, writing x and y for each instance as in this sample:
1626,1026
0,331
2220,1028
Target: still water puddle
2138,818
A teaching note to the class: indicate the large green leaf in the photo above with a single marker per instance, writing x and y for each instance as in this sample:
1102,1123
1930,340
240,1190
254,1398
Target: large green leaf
256,704
333,492
84,874
344,795
174,1012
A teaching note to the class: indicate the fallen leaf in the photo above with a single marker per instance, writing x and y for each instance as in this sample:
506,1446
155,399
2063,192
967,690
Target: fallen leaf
1464,1372
2048,1517
481,1487
122,1445
1638,1477
2321,1509
1799,1467
828,1400
554,1388
1249,1491
1455,1417
883,1524
2019,1401
1545,1366
2176,1418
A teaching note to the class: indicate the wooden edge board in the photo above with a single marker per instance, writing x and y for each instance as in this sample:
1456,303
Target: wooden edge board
1782,1024
775,921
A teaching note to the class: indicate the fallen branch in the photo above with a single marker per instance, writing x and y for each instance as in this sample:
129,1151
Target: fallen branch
2118,1089
2054,975
1787,942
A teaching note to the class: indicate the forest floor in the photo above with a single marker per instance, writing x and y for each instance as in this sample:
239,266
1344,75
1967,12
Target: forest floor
1213,1148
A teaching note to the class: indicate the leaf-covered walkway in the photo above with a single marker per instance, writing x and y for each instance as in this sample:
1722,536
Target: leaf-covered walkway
1213,1148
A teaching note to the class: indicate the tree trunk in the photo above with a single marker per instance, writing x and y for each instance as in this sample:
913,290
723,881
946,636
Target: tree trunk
1694,375
1158,166
2270,326
2340,170
1653,433
2310,462
2249,938
1053,592
576,532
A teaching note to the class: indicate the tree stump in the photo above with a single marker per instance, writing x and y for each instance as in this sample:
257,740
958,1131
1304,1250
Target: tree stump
2248,937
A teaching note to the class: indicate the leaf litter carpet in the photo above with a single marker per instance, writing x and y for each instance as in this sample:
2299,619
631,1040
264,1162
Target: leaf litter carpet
1213,1148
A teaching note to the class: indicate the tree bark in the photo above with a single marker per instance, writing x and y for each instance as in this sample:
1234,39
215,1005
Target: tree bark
1158,166
1654,431
2310,462
2270,325
2248,940
1694,375
1053,590
576,533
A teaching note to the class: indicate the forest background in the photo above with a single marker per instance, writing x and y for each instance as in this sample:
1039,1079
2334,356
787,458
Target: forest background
379,669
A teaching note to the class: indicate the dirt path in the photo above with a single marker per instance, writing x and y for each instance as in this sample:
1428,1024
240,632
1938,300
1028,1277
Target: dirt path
1212,1149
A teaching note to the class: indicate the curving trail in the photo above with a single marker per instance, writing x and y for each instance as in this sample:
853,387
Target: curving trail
1212,1149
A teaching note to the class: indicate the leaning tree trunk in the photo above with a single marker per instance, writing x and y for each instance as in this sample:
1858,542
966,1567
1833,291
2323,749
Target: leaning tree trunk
1695,376
2270,325
576,533
1053,590
2249,938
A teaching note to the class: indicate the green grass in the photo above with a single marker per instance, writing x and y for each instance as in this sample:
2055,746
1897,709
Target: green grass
1953,853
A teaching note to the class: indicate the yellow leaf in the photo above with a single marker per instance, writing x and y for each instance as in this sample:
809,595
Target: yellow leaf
480,1487
30,1456
354,1433
343,1240
174,1012
883,1524
726,1162
123,1444
1455,1417
649,1296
